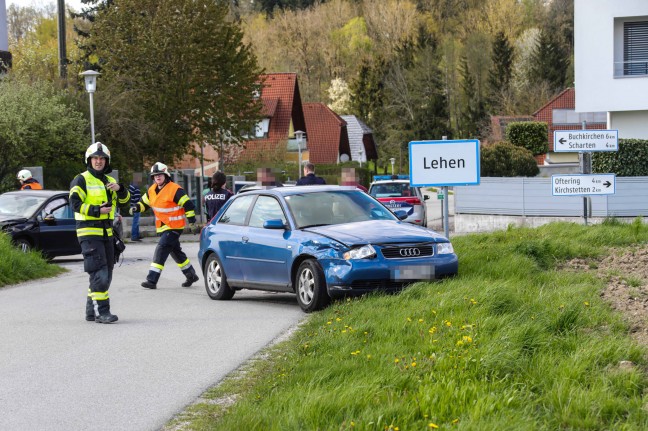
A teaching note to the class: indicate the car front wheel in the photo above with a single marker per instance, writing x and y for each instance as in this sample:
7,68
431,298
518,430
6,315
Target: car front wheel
215,279
311,287
24,245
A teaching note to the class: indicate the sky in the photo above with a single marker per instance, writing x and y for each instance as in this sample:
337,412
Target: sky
74,4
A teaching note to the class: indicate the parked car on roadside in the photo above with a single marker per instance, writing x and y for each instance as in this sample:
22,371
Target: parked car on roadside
319,243
40,220
395,192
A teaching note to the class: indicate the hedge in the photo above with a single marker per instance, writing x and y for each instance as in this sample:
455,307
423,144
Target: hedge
531,135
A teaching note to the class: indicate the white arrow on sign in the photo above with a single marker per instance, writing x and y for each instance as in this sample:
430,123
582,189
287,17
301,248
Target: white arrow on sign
584,184
586,140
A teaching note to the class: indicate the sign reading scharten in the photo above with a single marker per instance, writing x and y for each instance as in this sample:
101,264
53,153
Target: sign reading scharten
585,140
444,163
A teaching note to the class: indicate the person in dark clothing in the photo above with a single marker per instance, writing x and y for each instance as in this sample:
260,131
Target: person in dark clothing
27,182
170,205
309,177
135,196
94,197
218,195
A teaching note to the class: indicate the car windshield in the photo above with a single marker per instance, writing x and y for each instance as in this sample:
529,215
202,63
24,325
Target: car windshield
20,205
390,190
335,207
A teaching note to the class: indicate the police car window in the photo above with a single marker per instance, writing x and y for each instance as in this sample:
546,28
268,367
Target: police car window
237,211
266,208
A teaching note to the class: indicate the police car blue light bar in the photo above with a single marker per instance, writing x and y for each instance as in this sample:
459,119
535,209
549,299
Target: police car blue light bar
390,177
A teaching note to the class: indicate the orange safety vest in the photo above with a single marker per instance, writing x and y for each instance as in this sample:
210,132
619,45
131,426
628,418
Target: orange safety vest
34,186
166,211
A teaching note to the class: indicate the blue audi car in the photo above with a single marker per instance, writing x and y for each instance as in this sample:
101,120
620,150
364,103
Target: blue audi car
319,242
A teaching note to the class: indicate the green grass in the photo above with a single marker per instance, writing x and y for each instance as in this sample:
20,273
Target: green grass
513,343
16,267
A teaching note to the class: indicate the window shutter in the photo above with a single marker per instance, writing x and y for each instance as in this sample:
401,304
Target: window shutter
635,48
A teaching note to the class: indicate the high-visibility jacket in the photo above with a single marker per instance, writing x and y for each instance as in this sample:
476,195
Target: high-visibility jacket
169,214
89,220
31,184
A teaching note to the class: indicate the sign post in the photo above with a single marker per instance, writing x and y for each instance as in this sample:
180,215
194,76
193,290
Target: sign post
444,163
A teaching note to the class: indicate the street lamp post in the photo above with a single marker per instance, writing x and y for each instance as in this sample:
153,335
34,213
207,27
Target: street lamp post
392,160
360,157
90,77
299,135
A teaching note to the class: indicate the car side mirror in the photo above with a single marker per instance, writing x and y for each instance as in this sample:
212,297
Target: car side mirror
49,219
274,223
426,197
402,215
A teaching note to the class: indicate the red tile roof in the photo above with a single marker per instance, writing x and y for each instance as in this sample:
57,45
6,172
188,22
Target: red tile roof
281,90
327,134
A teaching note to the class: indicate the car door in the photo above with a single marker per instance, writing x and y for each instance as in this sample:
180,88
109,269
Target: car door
267,252
57,228
229,237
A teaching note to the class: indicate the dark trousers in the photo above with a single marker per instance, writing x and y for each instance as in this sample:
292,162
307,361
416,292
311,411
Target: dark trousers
135,233
98,261
169,244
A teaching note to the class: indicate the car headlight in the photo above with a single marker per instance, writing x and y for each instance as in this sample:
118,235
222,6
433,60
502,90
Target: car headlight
364,252
444,248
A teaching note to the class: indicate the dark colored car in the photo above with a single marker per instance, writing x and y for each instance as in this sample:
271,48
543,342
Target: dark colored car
318,242
40,220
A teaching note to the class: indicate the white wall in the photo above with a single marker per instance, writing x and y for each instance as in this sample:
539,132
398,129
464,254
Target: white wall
597,89
4,42
630,124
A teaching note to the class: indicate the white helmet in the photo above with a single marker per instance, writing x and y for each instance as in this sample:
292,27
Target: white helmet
24,175
160,168
97,150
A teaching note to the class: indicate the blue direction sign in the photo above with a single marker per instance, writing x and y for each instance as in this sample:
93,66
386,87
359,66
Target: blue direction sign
574,141
583,184
444,163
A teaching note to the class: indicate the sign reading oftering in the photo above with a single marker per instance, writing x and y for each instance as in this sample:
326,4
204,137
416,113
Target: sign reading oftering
584,184
444,163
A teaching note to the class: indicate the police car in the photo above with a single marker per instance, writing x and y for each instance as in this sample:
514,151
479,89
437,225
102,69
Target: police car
395,193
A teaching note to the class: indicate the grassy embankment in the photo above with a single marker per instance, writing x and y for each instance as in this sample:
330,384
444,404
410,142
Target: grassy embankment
16,267
516,342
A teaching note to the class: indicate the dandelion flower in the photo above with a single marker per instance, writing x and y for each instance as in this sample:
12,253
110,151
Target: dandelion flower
433,425
587,304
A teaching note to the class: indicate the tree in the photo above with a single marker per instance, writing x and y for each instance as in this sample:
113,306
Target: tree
499,76
39,127
550,62
189,72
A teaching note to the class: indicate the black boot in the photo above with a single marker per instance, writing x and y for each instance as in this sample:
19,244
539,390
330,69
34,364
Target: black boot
149,285
90,313
191,279
106,318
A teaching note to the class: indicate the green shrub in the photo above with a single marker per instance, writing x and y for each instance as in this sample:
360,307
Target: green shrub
630,161
507,160
531,135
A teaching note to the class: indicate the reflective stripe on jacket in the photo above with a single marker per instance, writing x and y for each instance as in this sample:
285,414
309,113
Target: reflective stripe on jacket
168,214
92,196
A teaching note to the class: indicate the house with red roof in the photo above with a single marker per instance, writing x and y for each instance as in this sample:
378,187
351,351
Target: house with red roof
560,114
328,140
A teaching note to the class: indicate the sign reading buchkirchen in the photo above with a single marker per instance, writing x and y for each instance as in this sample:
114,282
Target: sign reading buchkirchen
574,141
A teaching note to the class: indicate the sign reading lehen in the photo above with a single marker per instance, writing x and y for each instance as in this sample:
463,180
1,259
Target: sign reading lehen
444,163
583,184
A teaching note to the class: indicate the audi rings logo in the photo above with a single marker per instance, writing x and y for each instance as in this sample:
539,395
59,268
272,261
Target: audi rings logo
409,252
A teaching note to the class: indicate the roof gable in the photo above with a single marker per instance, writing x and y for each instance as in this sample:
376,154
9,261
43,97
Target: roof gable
327,136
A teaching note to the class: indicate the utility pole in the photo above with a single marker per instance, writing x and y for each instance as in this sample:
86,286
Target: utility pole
61,40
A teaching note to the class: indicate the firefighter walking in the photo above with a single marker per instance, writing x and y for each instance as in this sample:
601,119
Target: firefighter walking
170,204
94,197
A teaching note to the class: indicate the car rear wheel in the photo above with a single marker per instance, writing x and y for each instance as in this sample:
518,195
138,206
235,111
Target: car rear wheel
311,287
215,279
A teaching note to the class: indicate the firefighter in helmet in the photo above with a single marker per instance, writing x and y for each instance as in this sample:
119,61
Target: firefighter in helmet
94,197
27,182
171,205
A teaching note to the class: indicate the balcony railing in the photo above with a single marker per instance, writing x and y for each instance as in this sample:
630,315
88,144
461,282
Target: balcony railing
630,68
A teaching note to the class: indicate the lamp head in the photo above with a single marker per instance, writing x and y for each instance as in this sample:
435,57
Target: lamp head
90,77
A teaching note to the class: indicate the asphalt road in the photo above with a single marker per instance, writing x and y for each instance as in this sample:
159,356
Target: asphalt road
59,372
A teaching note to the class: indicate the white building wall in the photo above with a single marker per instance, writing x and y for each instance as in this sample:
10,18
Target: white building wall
598,35
4,41
630,124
